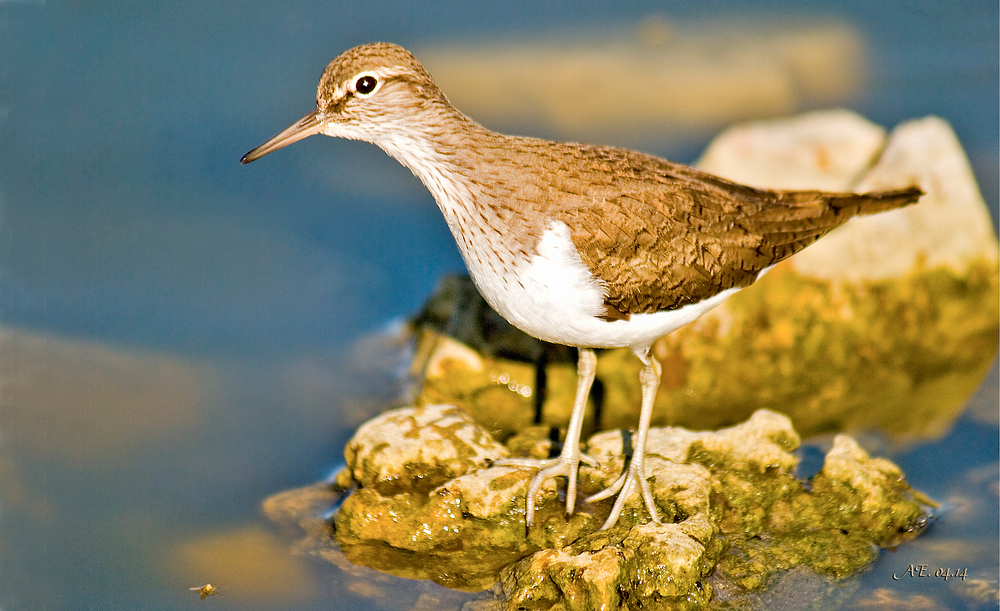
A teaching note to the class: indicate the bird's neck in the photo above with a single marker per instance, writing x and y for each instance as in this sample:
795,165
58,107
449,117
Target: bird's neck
434,145
455,159
441,150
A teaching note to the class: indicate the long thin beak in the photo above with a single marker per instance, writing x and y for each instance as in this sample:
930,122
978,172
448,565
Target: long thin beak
305,127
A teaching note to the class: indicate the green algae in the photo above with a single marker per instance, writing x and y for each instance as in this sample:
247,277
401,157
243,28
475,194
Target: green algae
834,524
408,519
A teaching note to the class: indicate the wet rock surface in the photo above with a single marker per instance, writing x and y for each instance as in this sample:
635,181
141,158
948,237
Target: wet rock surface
456,530
735,515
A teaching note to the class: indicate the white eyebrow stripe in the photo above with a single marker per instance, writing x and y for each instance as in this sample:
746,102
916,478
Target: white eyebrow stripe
387,72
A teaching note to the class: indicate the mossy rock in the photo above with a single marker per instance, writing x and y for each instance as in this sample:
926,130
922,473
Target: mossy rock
735,515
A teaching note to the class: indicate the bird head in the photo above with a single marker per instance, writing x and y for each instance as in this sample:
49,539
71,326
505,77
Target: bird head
375,92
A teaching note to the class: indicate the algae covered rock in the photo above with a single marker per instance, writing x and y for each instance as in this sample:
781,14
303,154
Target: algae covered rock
735,515
457,525
418,449
501,393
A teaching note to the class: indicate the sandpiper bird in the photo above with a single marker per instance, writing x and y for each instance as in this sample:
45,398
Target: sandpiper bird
587,246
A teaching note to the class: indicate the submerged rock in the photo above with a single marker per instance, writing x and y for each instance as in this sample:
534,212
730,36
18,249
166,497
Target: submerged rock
735,515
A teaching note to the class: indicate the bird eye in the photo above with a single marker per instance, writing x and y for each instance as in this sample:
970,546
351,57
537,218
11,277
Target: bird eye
366,84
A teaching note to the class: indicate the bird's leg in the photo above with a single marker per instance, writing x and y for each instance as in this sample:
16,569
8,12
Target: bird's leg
570,457
636,473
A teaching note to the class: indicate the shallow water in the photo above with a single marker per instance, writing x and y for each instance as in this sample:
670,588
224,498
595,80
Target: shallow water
183,337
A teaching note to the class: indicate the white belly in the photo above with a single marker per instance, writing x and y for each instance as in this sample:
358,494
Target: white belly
556,298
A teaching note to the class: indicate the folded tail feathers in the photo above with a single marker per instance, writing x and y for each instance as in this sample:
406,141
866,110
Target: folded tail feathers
876,201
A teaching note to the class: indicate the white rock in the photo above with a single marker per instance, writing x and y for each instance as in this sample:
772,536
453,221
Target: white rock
826,150
438,439
832,150
949,227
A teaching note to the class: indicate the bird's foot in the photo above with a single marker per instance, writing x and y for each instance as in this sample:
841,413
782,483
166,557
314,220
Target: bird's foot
566,464
624,486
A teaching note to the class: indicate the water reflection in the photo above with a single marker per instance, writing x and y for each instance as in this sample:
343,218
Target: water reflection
83,403
148,468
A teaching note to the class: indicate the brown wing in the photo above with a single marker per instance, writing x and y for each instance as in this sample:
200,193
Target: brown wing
664,235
